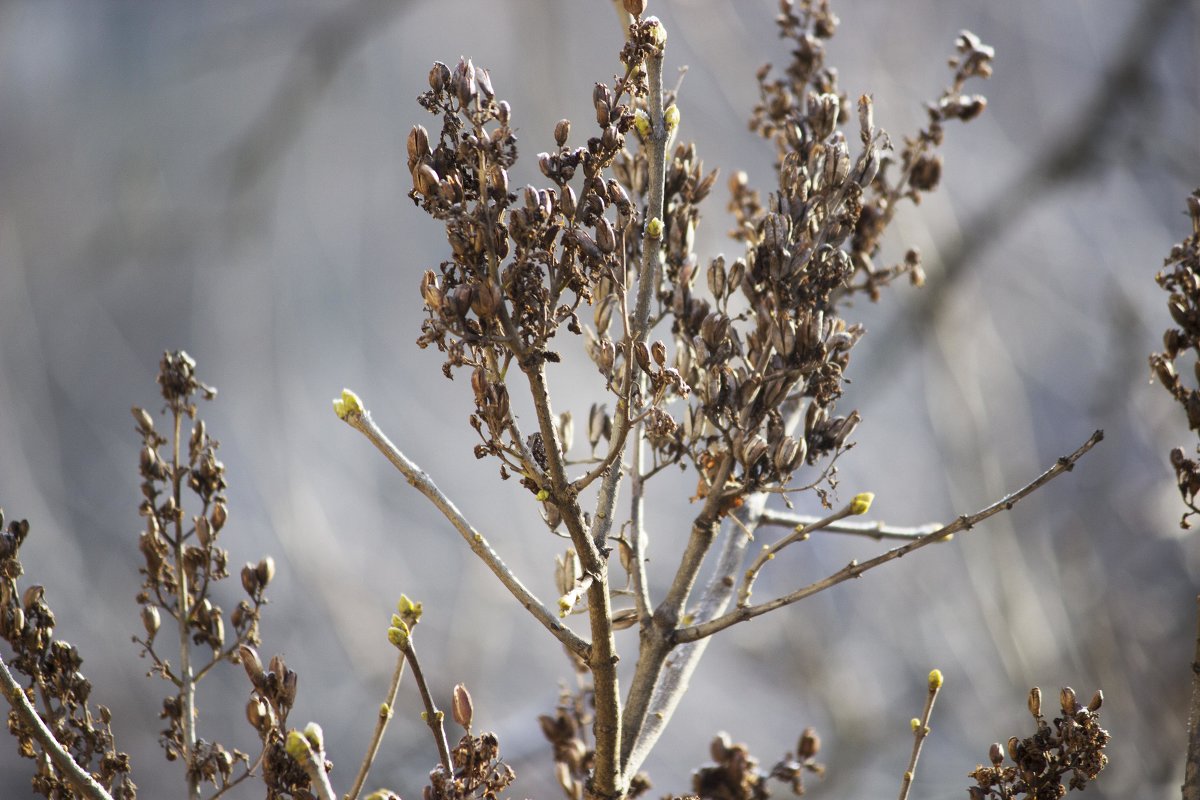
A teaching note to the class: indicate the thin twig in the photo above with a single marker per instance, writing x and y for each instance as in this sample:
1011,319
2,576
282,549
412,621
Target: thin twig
433,717
876,529
920,731
381,723
854,569
769,550
361,421
77,776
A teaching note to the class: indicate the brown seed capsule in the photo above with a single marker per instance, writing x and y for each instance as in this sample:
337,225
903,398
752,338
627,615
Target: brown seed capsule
425,180
265,571
203,531
635,7
658,351
144,421
252,664
809,744
996,754
418,145
258,714
150,620
641,354
219,516
1012,747
461,706
561,131
1096,701
1066,699
439,76
1035,702
250,580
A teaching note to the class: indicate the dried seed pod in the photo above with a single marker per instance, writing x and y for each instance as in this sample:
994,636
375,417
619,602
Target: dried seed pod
658,351
717,282
431,292
1096,701
1035,702
265,571
483,79
635,7
418,145
1013,742
596,424
788,455
219,516
1066,699
754,449
250,580
439,76
252,664
866,118
566,430
641,354
150,620
606,238
996,754
461,706
567,571
823,112
425,180
562,130
809,745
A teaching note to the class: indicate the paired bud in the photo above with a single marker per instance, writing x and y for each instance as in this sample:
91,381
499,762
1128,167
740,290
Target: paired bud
349,403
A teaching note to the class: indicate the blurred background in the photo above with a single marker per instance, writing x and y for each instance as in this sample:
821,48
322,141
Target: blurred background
229,178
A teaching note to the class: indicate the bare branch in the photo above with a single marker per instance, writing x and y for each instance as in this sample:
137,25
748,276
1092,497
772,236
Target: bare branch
854,569
433,717
360,420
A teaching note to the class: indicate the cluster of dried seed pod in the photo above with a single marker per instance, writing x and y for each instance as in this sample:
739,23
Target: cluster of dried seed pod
1180,277
1071,748
48,669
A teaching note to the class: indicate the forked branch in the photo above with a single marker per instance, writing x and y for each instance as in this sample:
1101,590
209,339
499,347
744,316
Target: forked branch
854,569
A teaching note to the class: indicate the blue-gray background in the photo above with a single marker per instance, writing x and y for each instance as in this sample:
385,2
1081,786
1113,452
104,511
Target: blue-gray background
229,178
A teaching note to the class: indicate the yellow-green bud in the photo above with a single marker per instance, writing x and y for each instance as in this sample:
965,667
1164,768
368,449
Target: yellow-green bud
398,636
385,711
410,610
297,746
671,117
935,680
565,604
315,736
347,404
654,228
641,121
861,503
915,724
543,495
659,31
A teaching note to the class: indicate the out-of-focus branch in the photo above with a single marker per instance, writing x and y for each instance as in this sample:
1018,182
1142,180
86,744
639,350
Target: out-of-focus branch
855,569
326,47
1066,158
877,529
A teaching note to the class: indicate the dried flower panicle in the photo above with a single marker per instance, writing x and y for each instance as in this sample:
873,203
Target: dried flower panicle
478,772
182,562
1181,277
54,685
1071,748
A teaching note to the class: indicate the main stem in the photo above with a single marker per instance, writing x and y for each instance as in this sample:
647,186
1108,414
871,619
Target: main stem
1191,781
187,683
602,660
